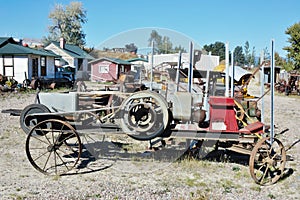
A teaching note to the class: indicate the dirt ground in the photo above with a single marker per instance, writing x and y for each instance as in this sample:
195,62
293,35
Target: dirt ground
188,179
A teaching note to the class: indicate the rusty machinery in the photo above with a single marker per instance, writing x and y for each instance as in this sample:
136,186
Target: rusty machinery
56,123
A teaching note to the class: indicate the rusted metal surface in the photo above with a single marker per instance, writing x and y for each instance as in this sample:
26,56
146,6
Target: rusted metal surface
161,115
267,161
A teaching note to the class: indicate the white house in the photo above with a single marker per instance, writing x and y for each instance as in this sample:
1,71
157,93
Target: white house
21,62
72,55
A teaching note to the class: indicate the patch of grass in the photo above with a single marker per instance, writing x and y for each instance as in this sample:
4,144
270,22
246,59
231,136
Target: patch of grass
199,195
255,188
241,174
271,196
17,197
194,164
228,185
56,177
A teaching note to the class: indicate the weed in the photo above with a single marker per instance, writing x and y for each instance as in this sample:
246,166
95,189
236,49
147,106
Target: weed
256,188
56,177
271,196
199,195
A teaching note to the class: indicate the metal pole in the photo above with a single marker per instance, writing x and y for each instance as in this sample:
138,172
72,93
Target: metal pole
272,89
232,76
190,72
262,86
227,69
205,100
152,66
177,72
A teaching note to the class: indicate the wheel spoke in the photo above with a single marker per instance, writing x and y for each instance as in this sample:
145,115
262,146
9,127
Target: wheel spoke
43,141
63,162
264,175
267,161
40,156
46,161
65,155
55,163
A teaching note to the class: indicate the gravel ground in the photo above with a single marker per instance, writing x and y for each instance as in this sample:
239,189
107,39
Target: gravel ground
189,179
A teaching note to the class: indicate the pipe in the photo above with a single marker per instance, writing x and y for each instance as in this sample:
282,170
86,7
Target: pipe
190,72
227,69
272,90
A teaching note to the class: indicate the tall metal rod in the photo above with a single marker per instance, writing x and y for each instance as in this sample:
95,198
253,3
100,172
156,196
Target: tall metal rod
272,90
262,86
190,72
177,72
227,69
205,100
232,76
152,66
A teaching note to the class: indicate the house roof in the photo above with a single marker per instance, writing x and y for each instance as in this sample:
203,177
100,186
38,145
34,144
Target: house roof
113,60
137,59
74,51
5,40
16,49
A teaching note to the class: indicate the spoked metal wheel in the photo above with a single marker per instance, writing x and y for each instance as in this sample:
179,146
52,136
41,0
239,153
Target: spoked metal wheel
144,115
53,147
267,161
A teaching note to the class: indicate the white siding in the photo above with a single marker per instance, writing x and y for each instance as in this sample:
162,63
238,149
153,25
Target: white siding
20,68
161,58
1,65
60,52
207,62
50,67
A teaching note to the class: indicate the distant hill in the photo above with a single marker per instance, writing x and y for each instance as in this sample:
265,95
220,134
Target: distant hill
110,54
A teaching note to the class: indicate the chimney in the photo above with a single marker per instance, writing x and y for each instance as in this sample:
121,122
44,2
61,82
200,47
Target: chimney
62,43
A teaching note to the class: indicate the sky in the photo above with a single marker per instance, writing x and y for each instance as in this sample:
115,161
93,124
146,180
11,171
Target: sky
115,23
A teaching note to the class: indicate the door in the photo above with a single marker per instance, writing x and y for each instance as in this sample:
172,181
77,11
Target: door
35,67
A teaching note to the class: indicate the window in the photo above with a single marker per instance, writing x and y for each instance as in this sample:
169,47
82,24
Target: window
43,66
103,68
35,67
8,66
80,63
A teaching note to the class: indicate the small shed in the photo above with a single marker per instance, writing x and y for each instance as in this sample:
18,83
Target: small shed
267,73
108,69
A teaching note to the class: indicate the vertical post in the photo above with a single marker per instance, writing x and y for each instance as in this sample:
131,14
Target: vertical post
205,100
226,70
190,72
232,76
152,66
272,90
177,72
262,86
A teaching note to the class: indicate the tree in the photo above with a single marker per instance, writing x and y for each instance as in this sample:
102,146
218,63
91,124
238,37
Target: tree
218,49
156,38
252,57
179,48
247,53
294,48
166,45
286,64
163,44
131,48
238,56
67,23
